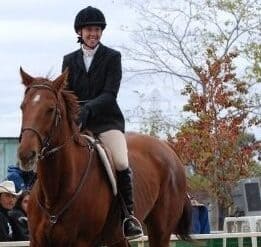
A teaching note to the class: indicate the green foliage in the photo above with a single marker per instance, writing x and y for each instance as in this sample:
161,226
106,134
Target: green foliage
253,52
155,123
255,170
198,183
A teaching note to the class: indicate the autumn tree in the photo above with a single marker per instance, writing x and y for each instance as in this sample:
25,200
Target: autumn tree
172,39
212,141
171,42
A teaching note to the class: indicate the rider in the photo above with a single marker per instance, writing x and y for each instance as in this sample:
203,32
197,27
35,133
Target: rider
94,75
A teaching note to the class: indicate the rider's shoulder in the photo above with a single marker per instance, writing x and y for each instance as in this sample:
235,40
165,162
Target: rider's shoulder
72,54
110,51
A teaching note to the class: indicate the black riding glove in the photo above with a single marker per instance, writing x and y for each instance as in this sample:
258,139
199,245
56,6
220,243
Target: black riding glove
85,114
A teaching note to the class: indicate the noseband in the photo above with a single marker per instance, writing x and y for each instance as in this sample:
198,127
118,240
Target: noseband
45,142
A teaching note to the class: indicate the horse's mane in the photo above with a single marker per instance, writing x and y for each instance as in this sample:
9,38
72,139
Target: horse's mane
72,106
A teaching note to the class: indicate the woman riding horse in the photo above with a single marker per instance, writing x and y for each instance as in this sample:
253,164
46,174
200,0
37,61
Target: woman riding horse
94,76
72,203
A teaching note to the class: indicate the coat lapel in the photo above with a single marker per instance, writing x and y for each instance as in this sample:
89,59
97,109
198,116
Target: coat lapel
79,59
97,57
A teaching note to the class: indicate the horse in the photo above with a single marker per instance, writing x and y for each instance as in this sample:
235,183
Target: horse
72,203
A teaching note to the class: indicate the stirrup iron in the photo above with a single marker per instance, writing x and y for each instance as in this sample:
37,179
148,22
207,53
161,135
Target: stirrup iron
137,222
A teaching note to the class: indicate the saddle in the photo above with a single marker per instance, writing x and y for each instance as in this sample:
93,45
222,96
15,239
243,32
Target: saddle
106,160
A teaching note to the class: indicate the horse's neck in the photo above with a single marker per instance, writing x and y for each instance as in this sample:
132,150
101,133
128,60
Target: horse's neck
58,173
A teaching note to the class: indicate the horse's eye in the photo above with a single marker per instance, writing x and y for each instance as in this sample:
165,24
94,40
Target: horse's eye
50,110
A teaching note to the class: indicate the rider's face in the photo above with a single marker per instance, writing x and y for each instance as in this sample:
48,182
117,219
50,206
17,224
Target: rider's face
91,35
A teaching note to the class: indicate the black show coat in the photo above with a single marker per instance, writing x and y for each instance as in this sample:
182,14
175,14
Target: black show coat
98,87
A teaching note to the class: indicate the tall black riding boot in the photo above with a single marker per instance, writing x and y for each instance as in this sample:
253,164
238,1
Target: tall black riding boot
132,228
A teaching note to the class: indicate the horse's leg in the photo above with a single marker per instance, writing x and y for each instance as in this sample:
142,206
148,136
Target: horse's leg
123,243
160,223
156,239
32,244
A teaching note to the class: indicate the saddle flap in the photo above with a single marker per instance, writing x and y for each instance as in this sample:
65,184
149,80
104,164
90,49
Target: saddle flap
106,161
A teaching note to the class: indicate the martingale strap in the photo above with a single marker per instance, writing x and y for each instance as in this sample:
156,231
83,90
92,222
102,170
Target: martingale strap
53,218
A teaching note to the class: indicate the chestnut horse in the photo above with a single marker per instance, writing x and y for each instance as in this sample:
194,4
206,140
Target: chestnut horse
72,203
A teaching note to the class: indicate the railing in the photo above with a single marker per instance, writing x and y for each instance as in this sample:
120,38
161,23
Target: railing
243,239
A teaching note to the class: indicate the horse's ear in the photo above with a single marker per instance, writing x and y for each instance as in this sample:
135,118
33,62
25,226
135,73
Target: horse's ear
60,82
26,78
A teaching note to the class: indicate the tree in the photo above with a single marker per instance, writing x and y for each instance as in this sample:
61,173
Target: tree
215,141
154,123
197,41
149,117
172,37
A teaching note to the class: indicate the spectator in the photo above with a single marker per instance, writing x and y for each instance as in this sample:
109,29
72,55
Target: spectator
200,221
23,180
19,215
8,197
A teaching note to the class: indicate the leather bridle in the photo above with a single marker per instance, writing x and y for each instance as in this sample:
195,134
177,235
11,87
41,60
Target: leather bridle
45,149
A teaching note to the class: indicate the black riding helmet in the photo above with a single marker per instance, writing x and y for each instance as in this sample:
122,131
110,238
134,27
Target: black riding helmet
89,16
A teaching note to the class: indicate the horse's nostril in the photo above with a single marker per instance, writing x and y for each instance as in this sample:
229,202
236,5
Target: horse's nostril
27,156
31,155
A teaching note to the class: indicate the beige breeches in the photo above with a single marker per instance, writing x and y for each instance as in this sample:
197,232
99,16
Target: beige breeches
115,141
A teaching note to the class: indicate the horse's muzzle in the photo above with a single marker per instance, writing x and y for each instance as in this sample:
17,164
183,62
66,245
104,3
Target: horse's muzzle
27,159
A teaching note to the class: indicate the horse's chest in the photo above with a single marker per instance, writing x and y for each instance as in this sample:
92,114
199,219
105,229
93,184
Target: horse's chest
56,235
45,233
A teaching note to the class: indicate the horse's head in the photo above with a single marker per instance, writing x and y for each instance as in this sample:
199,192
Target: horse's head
43,107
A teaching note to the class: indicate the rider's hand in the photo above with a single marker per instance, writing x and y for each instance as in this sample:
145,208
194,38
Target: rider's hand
85,114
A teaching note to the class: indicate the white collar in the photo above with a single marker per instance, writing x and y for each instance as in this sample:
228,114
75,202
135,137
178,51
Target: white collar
89,52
